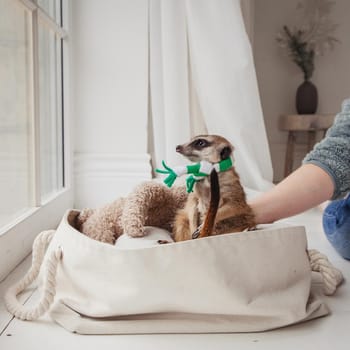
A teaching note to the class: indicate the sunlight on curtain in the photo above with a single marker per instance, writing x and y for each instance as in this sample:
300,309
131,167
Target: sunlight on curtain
202,77
169,88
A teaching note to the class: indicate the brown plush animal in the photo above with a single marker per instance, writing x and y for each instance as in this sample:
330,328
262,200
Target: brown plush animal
149,204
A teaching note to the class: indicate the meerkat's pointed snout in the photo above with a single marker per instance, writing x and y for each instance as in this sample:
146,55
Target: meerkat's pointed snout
179,148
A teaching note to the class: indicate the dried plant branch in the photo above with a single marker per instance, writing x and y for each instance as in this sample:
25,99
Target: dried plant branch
313,36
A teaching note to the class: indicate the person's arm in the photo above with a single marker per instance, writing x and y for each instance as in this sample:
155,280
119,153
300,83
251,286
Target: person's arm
325,174
305,188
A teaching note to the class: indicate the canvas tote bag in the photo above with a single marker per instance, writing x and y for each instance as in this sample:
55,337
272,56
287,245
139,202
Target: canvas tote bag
240,282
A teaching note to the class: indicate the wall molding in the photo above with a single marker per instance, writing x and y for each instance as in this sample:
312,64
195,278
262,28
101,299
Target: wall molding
106,165
102,177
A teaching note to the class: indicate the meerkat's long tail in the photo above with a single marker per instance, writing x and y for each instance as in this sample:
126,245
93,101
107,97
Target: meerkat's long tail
209,221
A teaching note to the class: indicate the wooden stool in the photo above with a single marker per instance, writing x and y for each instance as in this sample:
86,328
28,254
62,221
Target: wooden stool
310,123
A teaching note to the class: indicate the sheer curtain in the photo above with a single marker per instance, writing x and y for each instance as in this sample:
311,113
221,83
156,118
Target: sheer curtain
202,80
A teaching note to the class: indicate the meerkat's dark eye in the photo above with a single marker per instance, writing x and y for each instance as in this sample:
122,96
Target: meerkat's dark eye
225,152
200,143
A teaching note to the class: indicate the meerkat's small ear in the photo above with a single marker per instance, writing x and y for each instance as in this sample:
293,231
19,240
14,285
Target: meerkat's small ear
225,152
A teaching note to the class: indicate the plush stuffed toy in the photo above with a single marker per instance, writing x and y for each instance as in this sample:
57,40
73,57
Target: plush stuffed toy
336,224
149,204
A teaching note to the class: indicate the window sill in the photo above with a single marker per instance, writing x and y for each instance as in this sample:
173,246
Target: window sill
17,238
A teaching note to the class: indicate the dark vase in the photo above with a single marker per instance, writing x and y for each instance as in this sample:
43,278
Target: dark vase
306,98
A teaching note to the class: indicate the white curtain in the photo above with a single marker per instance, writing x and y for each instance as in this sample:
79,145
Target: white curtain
202,80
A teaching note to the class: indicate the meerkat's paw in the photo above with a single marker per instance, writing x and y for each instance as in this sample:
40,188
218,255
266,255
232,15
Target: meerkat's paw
197,231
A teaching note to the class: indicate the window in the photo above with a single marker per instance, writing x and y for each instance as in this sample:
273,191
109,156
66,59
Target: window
15,125
34,149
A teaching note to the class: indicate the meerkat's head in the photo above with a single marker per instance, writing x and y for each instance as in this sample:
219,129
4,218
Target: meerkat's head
212,148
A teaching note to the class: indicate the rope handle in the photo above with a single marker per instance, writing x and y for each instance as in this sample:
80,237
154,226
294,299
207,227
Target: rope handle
331,276
49,290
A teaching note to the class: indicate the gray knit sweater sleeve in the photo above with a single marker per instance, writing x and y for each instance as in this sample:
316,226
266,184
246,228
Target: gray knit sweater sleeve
332,154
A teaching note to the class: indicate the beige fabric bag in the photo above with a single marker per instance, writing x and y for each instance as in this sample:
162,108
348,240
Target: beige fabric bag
250,281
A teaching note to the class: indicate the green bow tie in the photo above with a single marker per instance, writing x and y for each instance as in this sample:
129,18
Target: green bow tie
197,172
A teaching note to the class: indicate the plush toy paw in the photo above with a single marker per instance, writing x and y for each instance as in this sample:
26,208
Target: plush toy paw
135,230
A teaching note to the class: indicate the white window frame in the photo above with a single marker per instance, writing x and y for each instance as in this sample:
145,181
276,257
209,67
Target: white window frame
16,239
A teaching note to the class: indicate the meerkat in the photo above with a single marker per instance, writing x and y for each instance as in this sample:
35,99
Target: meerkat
224,210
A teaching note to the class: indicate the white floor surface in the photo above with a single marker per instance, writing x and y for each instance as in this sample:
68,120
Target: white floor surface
330,332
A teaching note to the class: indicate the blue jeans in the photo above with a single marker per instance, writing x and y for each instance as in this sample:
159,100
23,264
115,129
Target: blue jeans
336,225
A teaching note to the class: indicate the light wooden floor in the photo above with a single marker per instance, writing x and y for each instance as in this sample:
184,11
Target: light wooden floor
330,332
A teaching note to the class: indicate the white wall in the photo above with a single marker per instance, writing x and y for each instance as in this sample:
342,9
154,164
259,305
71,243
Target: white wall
278,77
110,94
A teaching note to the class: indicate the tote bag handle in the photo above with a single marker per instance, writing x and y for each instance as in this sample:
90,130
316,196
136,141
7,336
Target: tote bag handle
49,290
331,276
